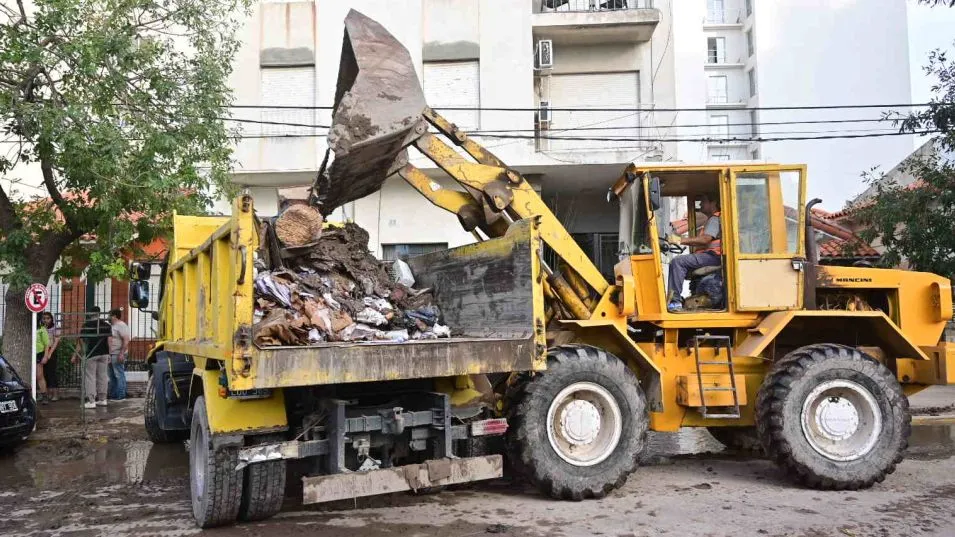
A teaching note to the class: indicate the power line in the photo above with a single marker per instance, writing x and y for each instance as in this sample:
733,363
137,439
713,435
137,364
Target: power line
651,139
615,109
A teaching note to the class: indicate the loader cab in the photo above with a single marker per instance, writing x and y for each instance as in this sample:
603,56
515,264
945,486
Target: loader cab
756,264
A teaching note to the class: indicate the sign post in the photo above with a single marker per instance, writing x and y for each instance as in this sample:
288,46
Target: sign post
36,300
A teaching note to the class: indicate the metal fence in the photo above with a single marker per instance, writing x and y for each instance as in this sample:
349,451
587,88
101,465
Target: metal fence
70,303
593,5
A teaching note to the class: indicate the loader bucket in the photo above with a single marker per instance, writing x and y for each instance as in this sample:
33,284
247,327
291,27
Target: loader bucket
378,104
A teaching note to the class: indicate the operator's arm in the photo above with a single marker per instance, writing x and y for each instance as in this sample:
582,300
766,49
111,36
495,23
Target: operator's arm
124,338
699,241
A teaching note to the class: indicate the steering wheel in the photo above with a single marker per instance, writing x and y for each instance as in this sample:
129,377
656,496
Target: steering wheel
669,247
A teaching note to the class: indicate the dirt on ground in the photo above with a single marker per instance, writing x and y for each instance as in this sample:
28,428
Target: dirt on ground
101,476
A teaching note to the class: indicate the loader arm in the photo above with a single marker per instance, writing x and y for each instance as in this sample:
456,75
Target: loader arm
380,112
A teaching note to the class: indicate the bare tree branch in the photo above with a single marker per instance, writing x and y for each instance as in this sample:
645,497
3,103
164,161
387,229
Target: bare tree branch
49,180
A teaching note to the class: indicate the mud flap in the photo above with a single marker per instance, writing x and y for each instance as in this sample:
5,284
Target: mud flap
171,375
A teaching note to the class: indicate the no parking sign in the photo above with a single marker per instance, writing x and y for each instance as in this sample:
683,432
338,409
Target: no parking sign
36,298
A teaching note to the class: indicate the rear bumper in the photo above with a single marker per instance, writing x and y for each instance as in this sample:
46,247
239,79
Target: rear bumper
435,473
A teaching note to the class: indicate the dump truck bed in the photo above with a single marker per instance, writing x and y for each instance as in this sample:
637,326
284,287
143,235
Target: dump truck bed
485,291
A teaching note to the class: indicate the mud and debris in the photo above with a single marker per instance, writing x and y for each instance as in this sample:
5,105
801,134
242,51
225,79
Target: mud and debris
332,289
106,478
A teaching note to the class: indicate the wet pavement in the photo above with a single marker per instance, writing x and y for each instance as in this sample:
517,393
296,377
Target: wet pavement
102,477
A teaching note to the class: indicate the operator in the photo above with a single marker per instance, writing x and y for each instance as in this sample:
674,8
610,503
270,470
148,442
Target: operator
708,251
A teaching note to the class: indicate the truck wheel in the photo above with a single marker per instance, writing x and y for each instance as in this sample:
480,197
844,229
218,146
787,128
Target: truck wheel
833,417
264,485
154,431
578,428
742,439
216,486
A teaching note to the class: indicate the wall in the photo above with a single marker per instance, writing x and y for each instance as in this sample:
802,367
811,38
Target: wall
856,54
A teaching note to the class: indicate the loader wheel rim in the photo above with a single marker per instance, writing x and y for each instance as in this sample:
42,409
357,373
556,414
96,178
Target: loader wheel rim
198,465
841,420
584,424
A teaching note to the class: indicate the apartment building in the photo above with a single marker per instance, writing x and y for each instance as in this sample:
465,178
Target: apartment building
647,81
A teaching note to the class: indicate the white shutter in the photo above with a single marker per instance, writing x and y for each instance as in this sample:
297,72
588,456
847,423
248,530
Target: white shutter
717,89
456,85
719,126
594,90
287,86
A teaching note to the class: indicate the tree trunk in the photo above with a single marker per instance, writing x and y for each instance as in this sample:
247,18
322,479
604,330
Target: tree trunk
16,332
17,338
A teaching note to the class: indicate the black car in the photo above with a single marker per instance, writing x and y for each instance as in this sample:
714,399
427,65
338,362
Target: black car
17,408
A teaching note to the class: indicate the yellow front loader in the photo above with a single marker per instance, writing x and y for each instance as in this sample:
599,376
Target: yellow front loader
554,366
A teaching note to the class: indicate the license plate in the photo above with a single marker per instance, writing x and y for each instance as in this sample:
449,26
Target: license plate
8,406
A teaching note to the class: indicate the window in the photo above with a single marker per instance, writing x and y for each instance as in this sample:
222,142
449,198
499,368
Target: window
716,89
719,127
752,82
758,200
753,124
454,84
715,12
390,252
287,86
752,205
721,157
716,49
755,154
749,43
749,7
602,249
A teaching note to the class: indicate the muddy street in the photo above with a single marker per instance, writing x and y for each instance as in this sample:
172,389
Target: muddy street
100,476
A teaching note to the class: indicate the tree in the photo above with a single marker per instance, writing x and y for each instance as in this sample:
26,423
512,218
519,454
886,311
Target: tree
916,222
119,104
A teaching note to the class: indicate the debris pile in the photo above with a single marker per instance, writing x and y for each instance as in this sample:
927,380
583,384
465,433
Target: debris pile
326,287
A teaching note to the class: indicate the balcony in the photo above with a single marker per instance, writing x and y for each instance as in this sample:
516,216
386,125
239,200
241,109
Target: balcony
589,22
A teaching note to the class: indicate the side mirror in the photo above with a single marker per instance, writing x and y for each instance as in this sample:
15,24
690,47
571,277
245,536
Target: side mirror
654,188
139,294
140,271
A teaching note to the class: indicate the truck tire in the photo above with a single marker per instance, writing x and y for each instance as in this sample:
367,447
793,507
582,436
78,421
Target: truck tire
263,489
577,429
833,417
742,439
154,431
215,484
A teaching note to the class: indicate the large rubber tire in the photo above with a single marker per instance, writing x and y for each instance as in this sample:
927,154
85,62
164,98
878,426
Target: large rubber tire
154,431
530,446
215,485
832,376
263,488
742,439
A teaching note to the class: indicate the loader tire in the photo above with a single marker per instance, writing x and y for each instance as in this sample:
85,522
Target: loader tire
833,418
154,431
742,439
263,489
215,484
578,428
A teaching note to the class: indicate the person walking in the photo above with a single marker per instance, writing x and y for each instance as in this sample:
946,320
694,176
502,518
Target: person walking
94,339
42,342
118,351
48,362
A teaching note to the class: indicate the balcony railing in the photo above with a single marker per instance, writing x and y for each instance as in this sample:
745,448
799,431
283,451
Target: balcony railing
578,6
725,16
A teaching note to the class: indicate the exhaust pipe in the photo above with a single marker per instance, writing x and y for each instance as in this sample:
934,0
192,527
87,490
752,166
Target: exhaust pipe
812,259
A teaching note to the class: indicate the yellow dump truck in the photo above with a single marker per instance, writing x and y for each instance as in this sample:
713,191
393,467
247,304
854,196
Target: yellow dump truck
552,365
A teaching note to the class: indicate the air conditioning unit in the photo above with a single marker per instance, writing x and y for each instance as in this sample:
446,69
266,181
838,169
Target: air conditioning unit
545,54
543,113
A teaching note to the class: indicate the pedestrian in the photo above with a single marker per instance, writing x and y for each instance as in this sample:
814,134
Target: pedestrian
42,342
118,351
49,364
94,340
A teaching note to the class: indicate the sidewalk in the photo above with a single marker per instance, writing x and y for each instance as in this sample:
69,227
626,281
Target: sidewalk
935,405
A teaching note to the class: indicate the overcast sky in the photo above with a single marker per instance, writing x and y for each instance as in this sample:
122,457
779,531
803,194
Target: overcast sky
929,29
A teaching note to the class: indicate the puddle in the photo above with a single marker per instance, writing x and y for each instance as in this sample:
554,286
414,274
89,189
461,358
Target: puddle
931,442
137,461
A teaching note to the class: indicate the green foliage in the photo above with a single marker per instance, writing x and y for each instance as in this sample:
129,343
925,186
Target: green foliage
120,104
916,222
